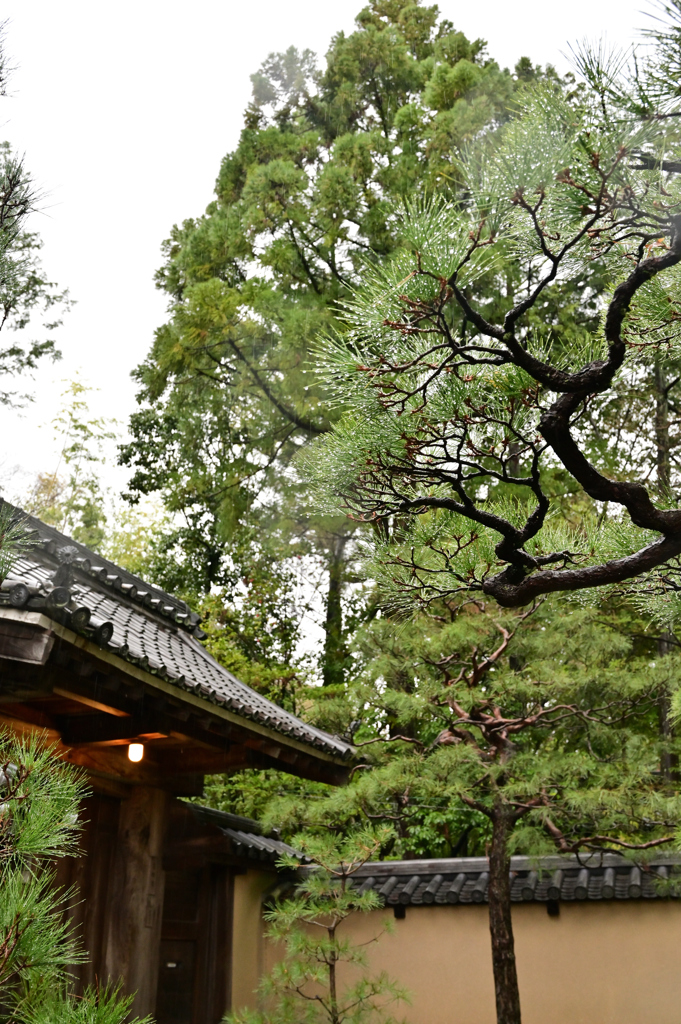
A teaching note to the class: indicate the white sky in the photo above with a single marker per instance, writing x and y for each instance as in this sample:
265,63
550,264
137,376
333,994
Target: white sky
123,112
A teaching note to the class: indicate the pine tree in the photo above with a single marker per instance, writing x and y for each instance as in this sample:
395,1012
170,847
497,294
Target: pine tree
455,412
308,986
490,731
476,445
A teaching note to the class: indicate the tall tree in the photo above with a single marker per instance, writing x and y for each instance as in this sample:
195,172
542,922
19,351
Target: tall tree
463,429
503,731
227,391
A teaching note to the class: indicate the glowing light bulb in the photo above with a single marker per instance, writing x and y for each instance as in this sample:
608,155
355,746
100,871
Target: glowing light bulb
136,751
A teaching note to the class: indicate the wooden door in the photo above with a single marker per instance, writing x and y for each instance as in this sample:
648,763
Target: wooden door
195,952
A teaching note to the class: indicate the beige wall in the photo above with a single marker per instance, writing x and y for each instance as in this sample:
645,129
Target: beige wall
247,950
596,963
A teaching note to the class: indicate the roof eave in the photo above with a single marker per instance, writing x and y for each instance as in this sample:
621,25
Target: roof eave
335,766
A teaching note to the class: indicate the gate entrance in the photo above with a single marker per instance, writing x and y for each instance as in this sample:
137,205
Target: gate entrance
195,951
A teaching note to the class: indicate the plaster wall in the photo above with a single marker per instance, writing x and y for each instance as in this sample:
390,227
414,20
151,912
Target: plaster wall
248,938
596,963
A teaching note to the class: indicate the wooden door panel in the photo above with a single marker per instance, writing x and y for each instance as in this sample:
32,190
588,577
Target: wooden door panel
182,894
195,953
176,976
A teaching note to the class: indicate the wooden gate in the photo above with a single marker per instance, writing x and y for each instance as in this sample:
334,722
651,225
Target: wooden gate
195,951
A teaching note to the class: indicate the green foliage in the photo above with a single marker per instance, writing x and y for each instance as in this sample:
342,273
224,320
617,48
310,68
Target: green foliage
256,636
39,945
555,713
97,1005
134,538
257,794
580,688
75,501
228,392
41,796
449,400
322,976
12,538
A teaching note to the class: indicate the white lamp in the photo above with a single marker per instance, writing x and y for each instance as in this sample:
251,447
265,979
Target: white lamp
136,751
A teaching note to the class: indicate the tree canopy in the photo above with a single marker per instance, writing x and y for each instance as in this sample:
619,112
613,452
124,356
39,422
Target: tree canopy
228,390
474,439
459,418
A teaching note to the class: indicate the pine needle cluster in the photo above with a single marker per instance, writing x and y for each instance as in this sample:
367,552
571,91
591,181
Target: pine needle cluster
39,821
475,419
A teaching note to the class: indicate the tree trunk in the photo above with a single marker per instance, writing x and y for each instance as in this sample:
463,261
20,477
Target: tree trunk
662,430
333,995
500,925
669,763
333,671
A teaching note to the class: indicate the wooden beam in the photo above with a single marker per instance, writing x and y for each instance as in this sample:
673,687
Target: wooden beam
108,709
20,641
102,688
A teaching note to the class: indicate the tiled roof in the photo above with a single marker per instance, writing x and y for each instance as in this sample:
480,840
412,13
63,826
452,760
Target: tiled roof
141,624
245,835
465,879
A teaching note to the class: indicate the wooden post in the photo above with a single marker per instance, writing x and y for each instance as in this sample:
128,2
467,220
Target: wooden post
89,875
136,897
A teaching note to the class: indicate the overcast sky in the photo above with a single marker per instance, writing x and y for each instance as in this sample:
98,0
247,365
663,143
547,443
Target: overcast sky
123,112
